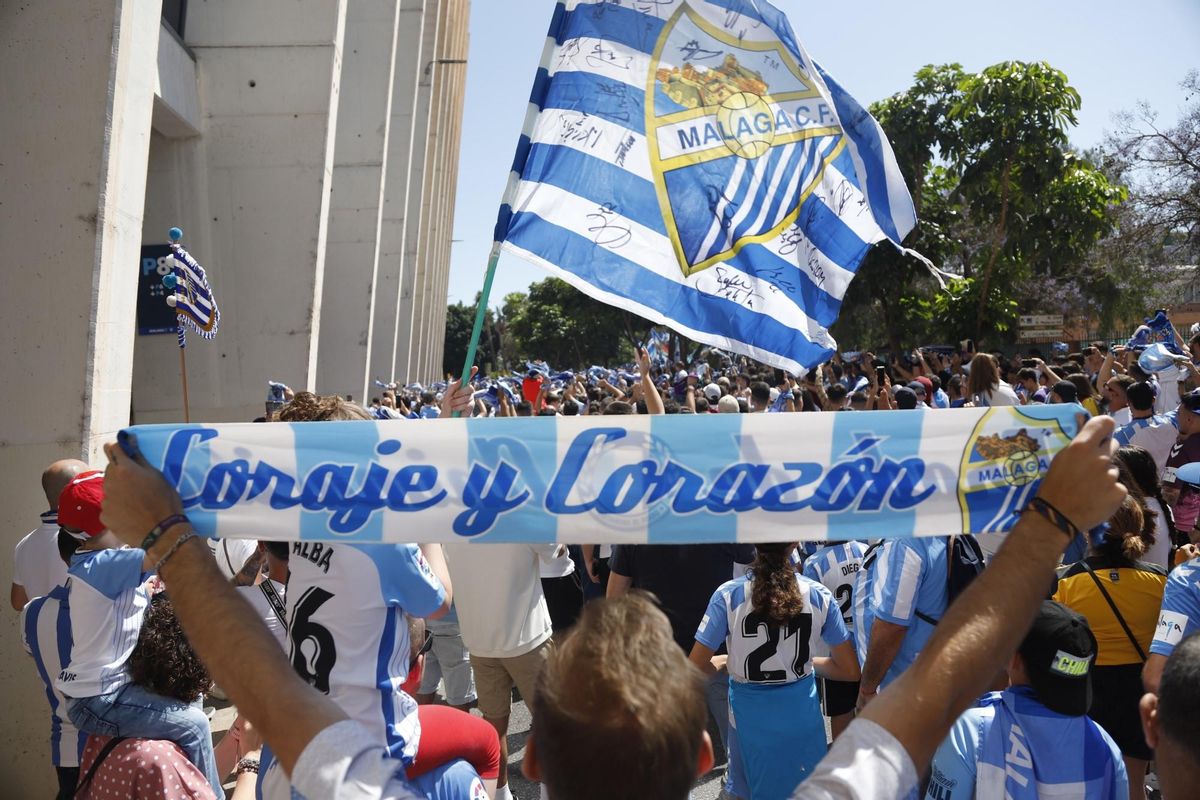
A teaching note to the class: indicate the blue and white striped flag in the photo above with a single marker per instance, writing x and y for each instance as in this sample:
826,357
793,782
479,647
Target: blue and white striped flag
193,300
687,160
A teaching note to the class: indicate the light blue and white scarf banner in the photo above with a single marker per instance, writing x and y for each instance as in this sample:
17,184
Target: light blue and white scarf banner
617,479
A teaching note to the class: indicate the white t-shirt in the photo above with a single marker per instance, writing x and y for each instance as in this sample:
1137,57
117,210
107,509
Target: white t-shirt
262,606
36,564
1160,551
1167,398
1002,395
107,597
865,763
1122,416
501,609
348,636
559,566
345,762
1157,434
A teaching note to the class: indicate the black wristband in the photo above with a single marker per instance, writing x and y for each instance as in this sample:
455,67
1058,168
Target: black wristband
158,530
1055,517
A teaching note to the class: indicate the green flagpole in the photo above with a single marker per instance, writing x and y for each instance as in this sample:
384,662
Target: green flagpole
480,313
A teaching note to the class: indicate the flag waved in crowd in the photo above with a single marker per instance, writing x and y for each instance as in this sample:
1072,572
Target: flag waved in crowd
689,162
193,298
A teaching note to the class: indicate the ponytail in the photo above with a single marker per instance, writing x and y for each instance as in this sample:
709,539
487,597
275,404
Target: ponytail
1125,542
774,591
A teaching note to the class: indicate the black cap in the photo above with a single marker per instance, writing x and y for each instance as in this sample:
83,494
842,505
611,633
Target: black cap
1191,401
1058,653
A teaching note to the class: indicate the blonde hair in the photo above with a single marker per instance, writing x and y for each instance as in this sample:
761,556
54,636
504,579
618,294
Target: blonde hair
309,407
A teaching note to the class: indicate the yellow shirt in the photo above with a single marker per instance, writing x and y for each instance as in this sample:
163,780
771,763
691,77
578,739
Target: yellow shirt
1136,590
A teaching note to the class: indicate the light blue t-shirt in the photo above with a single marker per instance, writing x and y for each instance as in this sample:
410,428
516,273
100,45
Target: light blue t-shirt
1089,758
905,582
1180,614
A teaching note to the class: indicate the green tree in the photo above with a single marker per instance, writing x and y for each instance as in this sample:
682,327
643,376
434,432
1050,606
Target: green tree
1010,147
562,325
1001,200
460,320
889,302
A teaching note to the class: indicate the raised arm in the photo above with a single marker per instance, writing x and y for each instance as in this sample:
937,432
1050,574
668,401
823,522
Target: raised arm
230,638
1053,376
982,628
437,563
654,403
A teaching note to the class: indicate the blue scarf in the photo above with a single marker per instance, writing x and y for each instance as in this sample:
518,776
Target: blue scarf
1028,745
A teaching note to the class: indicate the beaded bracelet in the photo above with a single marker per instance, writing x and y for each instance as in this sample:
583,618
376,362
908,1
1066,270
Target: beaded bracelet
247,764
158,530
1055,517
178,543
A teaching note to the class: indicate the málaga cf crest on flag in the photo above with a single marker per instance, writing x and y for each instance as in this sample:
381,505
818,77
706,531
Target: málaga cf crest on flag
688,161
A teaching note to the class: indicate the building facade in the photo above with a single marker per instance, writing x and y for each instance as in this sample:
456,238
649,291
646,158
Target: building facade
307,148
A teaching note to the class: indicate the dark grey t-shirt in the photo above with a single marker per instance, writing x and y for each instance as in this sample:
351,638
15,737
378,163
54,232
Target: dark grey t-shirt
682,576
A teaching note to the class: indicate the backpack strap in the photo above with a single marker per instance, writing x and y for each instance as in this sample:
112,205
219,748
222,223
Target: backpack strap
1116,613
868,558
83,785
949,567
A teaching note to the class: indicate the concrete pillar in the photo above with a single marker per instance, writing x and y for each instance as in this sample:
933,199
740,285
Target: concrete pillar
71,191
403,355
406,155
270,74
439,294
427,247
360,158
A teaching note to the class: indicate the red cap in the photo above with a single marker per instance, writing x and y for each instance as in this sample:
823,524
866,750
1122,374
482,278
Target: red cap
928,384
79,503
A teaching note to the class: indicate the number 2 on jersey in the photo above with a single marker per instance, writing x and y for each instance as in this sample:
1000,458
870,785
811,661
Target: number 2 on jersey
845,598
798,628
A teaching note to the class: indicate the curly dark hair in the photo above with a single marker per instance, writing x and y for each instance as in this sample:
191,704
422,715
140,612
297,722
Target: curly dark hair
163,661
774,592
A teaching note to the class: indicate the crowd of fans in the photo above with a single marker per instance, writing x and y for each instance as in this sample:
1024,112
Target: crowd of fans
1057,661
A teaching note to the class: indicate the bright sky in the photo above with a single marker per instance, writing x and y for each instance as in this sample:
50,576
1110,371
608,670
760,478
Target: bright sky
1113,53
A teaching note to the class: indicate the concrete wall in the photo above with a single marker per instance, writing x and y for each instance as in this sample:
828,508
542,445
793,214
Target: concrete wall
402,194
75,109
253,198
422,304
360,156
292,140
